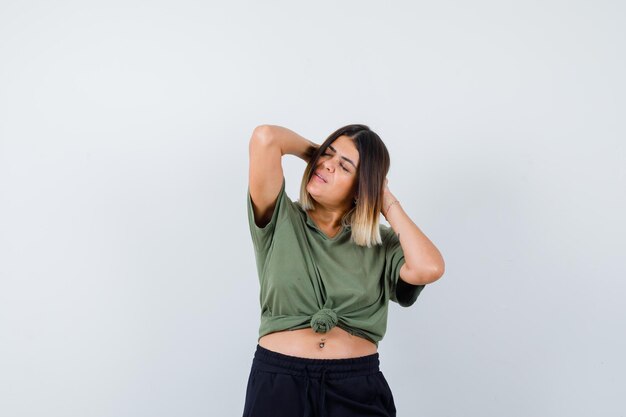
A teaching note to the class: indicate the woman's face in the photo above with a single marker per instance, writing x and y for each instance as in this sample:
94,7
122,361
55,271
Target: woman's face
338,170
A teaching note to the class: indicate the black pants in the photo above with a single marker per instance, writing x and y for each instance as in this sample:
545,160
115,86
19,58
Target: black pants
289,386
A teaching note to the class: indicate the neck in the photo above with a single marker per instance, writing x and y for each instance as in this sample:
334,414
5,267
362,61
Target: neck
327,217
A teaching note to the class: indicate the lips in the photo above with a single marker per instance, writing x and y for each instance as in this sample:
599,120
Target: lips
319,176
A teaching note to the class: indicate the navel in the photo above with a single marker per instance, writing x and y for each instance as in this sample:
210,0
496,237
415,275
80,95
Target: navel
322,342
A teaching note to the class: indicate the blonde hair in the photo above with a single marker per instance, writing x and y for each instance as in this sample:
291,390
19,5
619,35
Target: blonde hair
364,216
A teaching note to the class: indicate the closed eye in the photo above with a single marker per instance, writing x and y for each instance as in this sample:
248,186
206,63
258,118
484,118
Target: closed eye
342,166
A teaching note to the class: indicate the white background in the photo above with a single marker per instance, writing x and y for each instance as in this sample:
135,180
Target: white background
127,278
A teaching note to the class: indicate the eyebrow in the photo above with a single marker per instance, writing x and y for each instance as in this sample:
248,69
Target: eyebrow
343,157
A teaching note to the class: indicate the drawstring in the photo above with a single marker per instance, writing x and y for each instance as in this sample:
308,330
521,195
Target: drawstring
306,393
322,401
323,394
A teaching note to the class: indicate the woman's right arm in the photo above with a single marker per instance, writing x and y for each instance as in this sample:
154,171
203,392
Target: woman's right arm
267,146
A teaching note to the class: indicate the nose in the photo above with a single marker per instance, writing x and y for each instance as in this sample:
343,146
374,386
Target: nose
329,164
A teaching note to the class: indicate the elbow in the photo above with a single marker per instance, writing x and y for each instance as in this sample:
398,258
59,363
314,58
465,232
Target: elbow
262,134
438,273
431,276
438,270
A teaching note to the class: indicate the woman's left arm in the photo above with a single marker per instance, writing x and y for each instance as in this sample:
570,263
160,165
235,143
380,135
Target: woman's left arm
423,261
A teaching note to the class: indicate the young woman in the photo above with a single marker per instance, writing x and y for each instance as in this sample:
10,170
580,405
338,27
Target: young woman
327,270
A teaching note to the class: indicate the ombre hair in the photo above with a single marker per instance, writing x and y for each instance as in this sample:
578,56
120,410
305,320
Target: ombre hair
364,216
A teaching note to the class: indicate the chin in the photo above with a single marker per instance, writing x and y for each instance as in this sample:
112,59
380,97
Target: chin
310,186
312,192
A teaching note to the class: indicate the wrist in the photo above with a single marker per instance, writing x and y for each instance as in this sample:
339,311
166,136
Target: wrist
389,206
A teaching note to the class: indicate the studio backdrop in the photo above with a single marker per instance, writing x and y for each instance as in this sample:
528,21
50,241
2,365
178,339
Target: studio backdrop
128,285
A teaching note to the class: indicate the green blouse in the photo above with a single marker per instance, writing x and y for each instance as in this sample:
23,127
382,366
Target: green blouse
308,279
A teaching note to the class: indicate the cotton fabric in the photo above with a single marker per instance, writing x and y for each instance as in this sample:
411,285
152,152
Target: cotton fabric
288,386
310,280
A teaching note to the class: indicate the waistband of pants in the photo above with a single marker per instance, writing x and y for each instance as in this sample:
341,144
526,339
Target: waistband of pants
270,361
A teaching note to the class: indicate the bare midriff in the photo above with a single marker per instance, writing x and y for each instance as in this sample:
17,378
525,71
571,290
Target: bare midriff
306,343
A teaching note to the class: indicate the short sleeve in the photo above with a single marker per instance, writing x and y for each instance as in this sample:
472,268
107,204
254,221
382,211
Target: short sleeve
262,236
402,292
